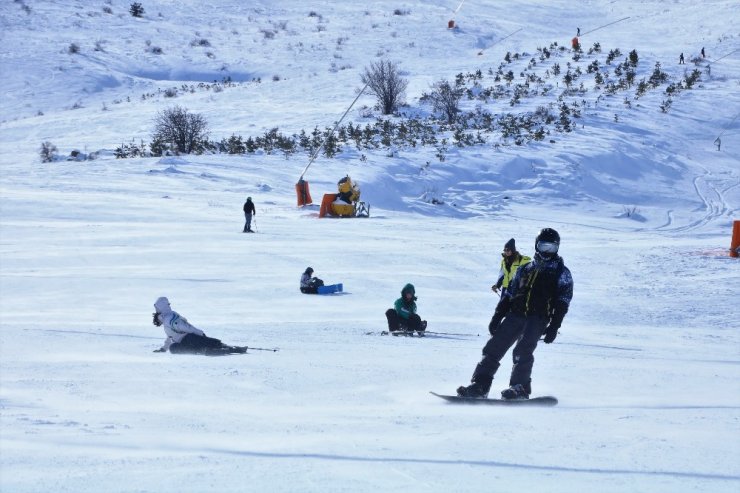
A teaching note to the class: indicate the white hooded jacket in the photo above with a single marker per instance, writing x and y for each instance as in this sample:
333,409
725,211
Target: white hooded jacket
175,326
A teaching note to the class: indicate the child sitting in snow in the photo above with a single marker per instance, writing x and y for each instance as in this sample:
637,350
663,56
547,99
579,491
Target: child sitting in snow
403,315
310,285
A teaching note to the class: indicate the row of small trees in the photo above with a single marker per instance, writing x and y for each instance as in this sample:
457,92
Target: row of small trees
178,131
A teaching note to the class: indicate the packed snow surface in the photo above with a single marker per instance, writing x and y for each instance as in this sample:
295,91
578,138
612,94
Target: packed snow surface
647,364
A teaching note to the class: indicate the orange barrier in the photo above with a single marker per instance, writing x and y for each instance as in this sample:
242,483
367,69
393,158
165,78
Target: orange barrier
302,193
735,246
574,43
326,204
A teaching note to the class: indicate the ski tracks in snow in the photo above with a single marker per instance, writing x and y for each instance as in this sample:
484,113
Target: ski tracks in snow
712,191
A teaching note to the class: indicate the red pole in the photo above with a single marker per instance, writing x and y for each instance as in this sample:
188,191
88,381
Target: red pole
735,246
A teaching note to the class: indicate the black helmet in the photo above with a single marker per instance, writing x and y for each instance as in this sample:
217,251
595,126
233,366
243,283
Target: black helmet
309,270
547,242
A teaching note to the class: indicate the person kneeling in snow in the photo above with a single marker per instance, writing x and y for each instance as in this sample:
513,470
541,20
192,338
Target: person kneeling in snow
310,285
403,314
183,338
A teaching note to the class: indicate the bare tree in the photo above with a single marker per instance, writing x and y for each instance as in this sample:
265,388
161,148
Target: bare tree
384,81
48,152
184,132
445,99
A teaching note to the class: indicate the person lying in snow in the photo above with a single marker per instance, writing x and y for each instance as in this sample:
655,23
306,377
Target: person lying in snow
403,314
183,338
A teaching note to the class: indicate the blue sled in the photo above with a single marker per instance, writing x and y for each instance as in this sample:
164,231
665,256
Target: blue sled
331,288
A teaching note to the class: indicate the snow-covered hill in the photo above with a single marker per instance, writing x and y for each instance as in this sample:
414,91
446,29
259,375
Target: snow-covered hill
646,365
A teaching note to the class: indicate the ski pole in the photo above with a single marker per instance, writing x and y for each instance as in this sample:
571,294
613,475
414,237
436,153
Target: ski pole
450,333
274,350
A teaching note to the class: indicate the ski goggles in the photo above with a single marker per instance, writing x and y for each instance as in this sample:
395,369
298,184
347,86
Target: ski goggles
547,247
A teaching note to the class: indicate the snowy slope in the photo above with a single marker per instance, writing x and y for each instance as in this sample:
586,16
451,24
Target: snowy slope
646,366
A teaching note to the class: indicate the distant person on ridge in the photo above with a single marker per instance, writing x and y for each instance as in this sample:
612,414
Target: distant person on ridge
681,60
703,55
403,317
535,304
249,211
183,338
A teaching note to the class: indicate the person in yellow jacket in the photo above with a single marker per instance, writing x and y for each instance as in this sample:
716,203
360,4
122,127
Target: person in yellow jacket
510,262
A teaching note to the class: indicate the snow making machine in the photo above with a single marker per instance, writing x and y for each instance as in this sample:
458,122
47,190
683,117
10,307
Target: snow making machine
345,203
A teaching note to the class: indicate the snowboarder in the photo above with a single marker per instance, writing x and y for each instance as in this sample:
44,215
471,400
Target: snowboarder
681,60
183,338
249,211
510,262
535,304
310,285
403,315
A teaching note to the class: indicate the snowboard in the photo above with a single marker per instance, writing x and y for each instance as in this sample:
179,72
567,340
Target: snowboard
331,288
546,400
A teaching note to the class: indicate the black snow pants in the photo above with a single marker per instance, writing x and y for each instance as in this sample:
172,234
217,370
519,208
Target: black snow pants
515,328
397,323
195,344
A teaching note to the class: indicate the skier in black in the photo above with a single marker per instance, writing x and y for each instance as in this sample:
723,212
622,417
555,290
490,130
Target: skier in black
537,300
249,211
681,60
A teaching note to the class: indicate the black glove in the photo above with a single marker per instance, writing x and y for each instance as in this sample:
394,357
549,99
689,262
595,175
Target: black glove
551,332
160,350
501,310
556,319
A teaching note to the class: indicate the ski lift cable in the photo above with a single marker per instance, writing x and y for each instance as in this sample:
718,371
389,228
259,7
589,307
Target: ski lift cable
454,13
497,42
724,56
605,25
727,126
316,152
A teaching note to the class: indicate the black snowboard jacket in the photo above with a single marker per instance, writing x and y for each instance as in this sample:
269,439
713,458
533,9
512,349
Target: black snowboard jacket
543,287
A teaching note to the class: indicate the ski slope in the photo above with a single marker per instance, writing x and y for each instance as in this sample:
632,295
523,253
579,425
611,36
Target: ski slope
647,364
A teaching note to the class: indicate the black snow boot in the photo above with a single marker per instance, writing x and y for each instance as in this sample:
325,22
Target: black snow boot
527,386
478,389
515,392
